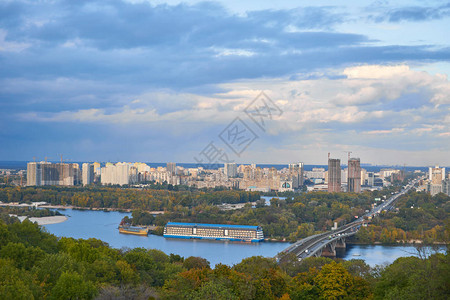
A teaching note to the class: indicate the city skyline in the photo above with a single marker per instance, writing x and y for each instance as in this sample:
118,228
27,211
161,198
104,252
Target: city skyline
139,81
292,177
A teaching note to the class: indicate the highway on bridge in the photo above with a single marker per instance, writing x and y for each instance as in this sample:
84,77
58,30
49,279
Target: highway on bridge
315,245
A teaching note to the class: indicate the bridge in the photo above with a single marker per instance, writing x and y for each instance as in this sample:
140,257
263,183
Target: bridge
325,244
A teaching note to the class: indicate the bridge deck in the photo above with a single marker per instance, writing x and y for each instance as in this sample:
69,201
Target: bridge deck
314,245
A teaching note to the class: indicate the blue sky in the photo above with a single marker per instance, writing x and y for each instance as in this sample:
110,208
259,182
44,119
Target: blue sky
159,80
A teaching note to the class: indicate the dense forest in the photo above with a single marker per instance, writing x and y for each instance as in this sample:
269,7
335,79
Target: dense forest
293,218
37,265
28,211
417,217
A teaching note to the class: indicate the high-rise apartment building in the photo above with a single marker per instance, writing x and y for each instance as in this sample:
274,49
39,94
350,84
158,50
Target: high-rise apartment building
34,174
248,174
446,187
88,173
97,168
370,178
334,175
436,177
230,169
316,173
120,173
354,175
363,176
172,168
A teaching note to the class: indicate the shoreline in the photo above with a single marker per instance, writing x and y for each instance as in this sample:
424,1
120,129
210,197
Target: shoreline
398,243
85,208
106,209
48,220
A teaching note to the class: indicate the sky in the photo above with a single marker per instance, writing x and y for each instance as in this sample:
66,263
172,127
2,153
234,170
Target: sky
222,81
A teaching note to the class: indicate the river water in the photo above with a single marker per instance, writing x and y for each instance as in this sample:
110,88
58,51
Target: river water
103,225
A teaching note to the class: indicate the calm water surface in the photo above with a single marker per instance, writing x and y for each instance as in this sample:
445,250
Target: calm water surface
378,254
103,225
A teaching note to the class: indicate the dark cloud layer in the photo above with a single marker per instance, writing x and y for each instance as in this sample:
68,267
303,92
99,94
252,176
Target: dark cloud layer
419,13
66,56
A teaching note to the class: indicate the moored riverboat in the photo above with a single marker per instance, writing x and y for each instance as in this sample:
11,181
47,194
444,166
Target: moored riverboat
244,233
136,230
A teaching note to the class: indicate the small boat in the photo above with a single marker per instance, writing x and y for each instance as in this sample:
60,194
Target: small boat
128,229
356,254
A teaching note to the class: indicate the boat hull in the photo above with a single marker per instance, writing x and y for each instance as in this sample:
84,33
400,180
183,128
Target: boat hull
142,232
212,238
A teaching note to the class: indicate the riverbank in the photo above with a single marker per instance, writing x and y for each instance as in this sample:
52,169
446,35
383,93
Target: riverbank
48,220
397,243
39,205
85,208
107,209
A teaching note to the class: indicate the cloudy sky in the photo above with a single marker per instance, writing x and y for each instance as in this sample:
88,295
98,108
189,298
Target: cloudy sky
157,81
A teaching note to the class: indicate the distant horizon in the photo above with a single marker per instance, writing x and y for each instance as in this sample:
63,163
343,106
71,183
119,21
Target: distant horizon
2,162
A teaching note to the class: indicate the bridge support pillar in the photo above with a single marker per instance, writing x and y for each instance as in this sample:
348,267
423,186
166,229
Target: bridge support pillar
341,243
329,250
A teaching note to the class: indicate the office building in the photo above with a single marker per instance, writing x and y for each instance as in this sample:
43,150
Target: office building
354,176
334,175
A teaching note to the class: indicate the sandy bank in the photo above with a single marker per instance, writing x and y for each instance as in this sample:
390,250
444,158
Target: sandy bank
49,220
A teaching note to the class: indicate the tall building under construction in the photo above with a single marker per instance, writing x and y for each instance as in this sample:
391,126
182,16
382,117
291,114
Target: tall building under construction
46,173
354,175
296,175
334,175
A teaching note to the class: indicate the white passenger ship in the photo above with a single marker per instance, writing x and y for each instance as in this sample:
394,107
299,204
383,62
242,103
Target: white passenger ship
246,233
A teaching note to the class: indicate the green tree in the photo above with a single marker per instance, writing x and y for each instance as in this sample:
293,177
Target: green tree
334,281
23,257
195,262
14,283
71,285
213,290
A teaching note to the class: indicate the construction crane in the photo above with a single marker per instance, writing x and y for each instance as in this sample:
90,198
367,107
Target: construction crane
61,166
348,154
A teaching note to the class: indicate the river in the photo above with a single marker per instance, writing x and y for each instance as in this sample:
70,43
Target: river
103,225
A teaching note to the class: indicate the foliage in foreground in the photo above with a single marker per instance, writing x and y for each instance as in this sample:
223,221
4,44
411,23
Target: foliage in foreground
36,265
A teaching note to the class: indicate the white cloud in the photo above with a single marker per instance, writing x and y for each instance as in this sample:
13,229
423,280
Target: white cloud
9,46
313,111
375,71
388,131
233,52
